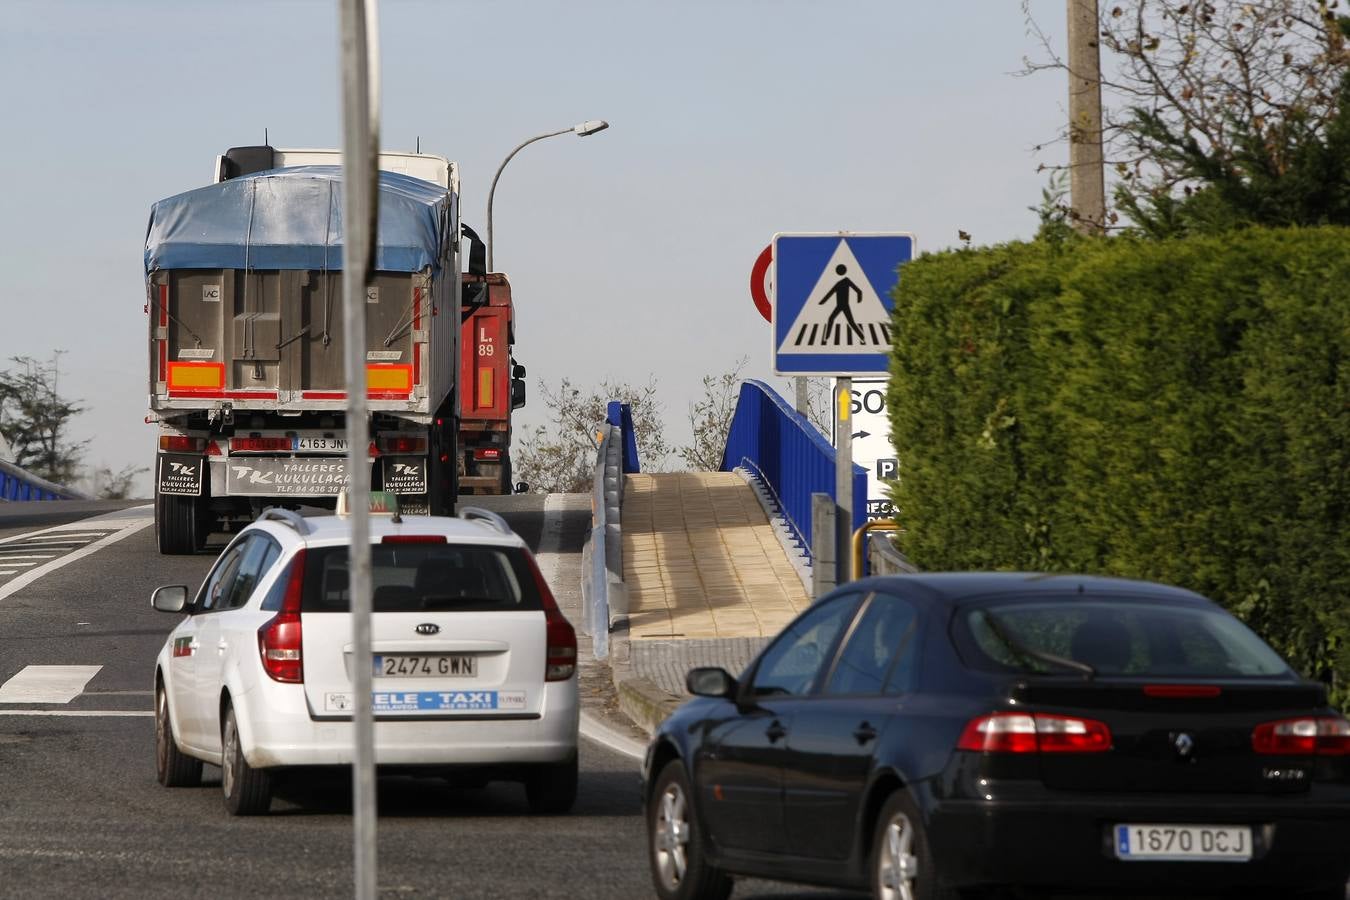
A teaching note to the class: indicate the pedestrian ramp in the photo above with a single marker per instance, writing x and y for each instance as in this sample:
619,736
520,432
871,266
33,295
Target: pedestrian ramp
702,560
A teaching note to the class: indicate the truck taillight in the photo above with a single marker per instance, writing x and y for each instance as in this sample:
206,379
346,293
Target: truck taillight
560,653
181,443
260,444
279,637
1307,736
400,444
1006,732
487,454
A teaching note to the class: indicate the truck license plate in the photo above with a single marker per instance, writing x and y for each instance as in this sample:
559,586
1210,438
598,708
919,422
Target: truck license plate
1228,843
337,445
426,665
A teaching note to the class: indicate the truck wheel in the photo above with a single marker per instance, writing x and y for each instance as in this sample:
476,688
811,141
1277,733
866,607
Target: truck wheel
178,525
508,486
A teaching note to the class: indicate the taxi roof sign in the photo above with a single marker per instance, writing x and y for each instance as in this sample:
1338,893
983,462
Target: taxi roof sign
382,503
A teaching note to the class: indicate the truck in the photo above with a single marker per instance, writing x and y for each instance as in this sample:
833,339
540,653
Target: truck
246,361
492,382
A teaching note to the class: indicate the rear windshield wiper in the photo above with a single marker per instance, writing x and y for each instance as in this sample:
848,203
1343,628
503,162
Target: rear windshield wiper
1026,652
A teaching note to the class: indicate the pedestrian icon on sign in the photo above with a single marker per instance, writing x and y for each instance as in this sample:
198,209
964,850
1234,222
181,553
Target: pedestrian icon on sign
842,293
842,313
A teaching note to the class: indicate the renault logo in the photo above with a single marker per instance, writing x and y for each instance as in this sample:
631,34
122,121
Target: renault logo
1184,745
428,628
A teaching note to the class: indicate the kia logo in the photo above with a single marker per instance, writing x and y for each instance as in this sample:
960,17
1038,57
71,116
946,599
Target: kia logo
1184,744
428,628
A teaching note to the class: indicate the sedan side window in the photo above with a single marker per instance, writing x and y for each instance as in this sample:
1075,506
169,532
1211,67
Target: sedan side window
259,553
879,643
791,665
213,593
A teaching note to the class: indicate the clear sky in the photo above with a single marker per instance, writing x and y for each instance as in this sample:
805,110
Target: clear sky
629,251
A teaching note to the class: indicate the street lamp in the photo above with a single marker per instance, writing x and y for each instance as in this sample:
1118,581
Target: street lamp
582,130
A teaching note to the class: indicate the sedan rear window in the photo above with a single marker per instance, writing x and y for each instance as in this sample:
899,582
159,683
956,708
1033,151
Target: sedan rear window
422,577
1113,637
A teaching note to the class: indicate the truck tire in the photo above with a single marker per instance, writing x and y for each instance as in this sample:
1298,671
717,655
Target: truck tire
178,525
508,486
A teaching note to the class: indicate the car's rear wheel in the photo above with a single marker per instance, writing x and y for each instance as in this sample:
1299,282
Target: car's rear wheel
248,791
902,862
173,768
676,845
551,790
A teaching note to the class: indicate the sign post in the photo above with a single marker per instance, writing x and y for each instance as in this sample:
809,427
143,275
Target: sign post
360,215
831,315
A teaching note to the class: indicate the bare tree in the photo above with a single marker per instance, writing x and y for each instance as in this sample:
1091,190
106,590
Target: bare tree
710,418
1240,100
105,484
559,458
33,420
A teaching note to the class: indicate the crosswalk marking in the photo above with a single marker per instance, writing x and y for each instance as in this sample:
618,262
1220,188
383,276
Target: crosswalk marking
47,684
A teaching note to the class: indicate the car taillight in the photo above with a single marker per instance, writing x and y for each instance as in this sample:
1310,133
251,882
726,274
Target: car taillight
1006,732
560,654
279,637
487,454
1307,736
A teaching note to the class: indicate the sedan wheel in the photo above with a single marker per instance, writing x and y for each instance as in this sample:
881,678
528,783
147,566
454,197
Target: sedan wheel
248,791
902,861
680,869
173,768
896,865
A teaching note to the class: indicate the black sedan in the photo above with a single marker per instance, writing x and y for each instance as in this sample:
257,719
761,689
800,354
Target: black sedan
932,736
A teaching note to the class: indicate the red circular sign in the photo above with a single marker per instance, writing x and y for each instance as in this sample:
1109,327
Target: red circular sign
761,269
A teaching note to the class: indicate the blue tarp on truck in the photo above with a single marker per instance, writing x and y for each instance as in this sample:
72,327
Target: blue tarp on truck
292,219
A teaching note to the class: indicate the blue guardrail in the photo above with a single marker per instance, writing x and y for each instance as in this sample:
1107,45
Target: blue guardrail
770,438
18,485
621,414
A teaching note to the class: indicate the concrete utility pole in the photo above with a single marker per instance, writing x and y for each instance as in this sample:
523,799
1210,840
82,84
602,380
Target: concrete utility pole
1087,186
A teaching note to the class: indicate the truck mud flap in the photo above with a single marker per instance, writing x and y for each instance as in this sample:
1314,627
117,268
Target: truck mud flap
405,474
299,477
180,475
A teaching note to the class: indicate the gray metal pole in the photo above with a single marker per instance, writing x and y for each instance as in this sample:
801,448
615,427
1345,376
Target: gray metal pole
1087,185
843,474
360,215
492,191
803,390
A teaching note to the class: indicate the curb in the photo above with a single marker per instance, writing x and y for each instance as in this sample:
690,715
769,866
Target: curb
645,703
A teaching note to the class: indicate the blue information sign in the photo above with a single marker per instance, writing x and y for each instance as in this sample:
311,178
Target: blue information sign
832,301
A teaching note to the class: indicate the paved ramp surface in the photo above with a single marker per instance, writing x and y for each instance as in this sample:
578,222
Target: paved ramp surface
701,560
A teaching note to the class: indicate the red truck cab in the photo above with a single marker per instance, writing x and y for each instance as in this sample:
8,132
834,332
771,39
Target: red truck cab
491,385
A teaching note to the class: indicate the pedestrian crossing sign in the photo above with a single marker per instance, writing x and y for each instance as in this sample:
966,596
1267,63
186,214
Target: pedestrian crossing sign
832,301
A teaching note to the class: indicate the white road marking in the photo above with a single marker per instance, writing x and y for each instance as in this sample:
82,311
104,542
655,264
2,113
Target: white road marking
61,539
9,573
47,684
127,522
9,558
8,563
596,730
80,713
60,532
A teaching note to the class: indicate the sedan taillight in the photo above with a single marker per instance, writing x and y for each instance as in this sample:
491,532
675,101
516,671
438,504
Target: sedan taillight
1006,732
560,655
279,637
1306,736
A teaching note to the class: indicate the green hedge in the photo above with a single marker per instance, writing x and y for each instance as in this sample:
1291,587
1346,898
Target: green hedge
1171,410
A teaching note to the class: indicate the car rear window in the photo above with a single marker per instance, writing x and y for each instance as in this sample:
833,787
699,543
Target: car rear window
1113,637
424,577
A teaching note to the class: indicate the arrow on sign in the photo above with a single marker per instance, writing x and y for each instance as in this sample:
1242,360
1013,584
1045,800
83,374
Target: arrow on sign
862,434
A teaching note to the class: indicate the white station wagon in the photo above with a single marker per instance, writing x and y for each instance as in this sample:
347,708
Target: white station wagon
474,665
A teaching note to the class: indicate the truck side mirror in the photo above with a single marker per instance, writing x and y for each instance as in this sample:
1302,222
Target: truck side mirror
517,371
522,487
475,294
477,251
517,393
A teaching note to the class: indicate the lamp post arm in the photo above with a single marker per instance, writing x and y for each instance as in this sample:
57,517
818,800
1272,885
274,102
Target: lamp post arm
493,190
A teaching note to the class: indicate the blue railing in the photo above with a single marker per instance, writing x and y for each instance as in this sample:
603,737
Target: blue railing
18,485
776,442
621,415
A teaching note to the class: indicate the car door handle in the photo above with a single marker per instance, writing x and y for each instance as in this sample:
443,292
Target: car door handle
864,733
775,731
